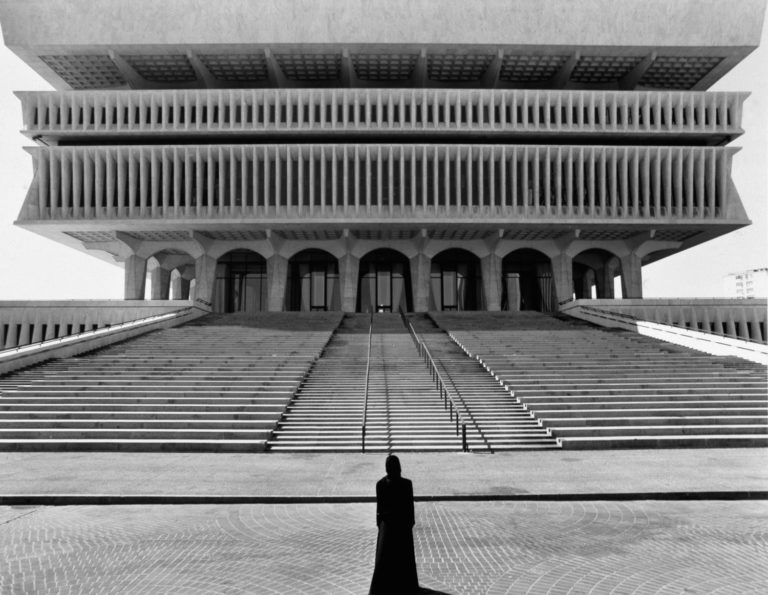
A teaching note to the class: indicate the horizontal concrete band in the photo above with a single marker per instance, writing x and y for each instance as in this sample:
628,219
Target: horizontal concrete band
164,499
527,22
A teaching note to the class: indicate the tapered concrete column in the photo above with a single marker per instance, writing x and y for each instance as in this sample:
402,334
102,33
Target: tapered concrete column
605,278
757,334
37,332
179,288
205,277
12,340
25,337
349,269
161,283
513,291
175,289
587,281
490,266
277,281
631,276
135,277
184,284
420,271
743,328
562,272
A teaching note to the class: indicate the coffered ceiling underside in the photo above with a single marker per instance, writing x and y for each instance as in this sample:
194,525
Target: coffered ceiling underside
394,234
396,66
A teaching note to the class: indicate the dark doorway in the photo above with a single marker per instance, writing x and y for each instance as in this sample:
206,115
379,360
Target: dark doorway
313,282
241,283
456,281
384,282
527,282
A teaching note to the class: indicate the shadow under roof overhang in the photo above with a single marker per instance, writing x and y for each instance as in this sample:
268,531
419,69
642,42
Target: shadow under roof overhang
659,240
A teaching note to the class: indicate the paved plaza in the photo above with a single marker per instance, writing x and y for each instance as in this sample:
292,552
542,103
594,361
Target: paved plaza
554,533
572,547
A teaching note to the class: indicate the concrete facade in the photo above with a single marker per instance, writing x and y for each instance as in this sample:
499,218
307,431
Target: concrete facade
526,149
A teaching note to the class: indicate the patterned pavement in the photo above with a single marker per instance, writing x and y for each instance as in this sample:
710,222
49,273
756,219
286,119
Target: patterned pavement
494,548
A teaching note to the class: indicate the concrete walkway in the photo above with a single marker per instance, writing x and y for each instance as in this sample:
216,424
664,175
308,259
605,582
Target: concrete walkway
688,543
215,477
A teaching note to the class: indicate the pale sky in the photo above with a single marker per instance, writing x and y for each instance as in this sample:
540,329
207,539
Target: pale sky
33,267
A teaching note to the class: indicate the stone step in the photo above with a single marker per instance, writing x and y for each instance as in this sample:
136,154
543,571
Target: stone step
659,430
109,396
85,433
709,420
632,410
158,423
578,379
666,441
132,445
204,405
166,414
532,400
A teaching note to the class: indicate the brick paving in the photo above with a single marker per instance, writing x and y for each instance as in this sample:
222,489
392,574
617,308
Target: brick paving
494,548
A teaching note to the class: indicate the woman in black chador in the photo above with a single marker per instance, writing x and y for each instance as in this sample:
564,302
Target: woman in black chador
395,570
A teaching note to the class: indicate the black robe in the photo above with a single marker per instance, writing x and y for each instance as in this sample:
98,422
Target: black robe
395,570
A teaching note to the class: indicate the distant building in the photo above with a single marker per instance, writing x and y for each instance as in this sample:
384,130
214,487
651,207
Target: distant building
747,284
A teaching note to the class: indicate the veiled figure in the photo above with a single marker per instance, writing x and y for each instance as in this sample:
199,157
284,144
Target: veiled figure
395,570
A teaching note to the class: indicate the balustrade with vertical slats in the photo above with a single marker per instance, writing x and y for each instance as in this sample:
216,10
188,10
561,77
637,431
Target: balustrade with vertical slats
373,180
252,111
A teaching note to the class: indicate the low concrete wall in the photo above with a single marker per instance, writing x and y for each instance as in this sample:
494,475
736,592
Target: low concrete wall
604,315
26,322
739,319
22,357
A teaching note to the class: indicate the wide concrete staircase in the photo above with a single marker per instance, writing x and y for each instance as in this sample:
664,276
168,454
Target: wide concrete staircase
217,384
597,388
500,419
405,411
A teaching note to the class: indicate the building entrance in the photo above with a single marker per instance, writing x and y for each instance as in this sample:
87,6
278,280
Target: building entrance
527,282
241,283
313,282
384,282
456,281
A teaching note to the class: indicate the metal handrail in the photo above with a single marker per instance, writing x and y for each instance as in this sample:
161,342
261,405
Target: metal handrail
448,400
445,392
409,326
367,379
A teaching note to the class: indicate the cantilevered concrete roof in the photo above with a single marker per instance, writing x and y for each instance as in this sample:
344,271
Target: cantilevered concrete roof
612,44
